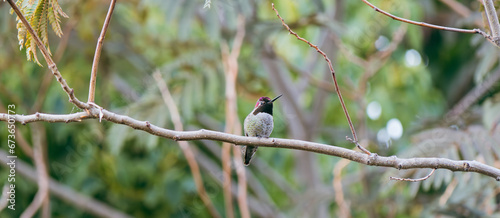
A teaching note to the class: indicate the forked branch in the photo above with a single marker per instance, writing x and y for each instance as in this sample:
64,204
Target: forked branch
493,39
51,64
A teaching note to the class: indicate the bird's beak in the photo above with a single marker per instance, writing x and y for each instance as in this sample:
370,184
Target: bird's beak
276,98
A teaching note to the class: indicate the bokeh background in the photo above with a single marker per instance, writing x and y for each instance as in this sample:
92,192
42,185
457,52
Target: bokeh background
399,81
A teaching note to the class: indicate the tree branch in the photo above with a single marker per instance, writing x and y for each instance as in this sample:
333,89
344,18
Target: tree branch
372,160
97,55
493,23
478,31
51,64
353,131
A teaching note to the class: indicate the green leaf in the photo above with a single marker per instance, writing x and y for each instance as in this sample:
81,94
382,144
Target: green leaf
38,14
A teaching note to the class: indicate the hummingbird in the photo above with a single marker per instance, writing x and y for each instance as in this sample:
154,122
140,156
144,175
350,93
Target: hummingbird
259,123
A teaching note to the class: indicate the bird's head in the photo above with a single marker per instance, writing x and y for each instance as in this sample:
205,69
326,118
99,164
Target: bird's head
265,104
266,100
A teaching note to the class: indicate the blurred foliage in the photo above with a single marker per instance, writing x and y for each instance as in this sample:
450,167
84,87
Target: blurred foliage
147,176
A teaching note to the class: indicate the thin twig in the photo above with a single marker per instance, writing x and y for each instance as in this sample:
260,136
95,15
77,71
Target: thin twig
97,55
46,55
351,126
319,83
188,153
478,31
372,160
414,180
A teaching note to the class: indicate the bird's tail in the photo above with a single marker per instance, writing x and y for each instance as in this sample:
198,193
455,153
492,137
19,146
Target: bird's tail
248,154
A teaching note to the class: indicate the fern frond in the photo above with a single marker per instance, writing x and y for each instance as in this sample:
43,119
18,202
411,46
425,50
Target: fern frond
58,8
42,24
21,33
34,21
53,17
38,13
31,49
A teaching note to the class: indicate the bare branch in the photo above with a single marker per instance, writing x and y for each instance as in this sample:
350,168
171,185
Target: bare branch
372,160
51,118
97,55
493,23
353,131
413,180
188,153
478,31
